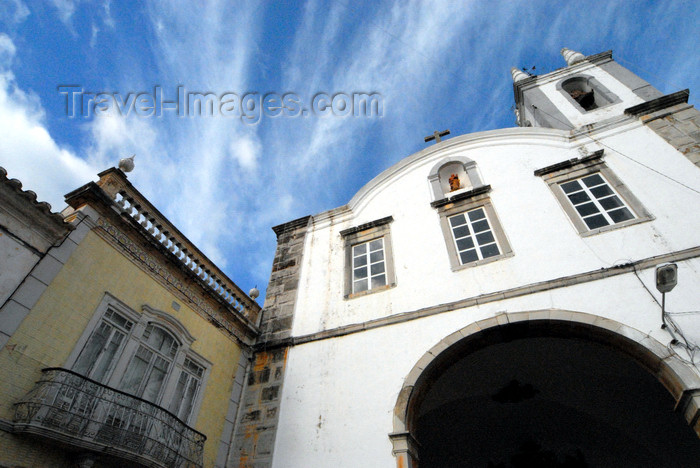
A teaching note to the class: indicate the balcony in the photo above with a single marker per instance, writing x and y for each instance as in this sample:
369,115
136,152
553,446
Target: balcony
73,410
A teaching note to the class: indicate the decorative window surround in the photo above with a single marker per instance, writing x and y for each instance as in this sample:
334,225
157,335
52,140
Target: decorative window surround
462,204
365,234
183,360
574,169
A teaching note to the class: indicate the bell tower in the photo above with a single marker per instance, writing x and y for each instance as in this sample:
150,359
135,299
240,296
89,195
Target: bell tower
589,90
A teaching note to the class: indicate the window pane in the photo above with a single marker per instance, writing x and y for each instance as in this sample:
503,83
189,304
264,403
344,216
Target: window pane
376,245
360,273
359,286
457,220
623,214
596,221
465,243
359,249
360,261
462,231
154,383
579,197
93,348
377,268
378,281
485,238
610,203
188,400
601,191
131,381
376,256
587,209
179,393
109,355
593,180
468,256
572,186
481,226
489,251
476,214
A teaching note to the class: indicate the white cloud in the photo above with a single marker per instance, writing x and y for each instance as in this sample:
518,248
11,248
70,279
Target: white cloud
28,151
7,51
246,150
13,11
66,9
93,36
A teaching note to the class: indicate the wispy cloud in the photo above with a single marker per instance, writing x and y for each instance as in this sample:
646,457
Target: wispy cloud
27,150
438,65
13,11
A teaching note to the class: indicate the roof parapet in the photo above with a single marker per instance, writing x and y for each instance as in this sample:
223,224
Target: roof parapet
129,201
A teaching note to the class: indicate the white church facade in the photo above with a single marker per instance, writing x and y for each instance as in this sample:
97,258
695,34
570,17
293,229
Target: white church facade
493,298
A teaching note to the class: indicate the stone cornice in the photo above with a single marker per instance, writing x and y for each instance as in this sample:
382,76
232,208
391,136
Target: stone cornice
524,290
649,107
192,292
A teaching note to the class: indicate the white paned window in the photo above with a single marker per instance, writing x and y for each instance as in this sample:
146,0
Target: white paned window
100,353
368,265
146,355
596,202
187,390
473,237
146,372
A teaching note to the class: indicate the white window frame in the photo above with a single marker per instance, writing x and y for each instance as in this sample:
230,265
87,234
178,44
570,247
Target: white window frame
478,245
134,339
464,204
366,233
576,169
368,265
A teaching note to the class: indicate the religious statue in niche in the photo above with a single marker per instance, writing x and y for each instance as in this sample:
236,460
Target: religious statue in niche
454,183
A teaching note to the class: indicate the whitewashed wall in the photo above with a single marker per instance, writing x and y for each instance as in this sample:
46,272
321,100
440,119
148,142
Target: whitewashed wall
544,241
339,393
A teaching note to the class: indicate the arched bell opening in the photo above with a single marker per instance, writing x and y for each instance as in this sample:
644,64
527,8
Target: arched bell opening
548,393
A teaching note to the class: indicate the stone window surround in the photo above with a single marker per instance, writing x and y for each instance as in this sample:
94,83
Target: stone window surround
133,339
469,168
576,168
365,233
466,202
607,95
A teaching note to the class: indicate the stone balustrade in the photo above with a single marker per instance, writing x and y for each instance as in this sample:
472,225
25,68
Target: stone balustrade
130,202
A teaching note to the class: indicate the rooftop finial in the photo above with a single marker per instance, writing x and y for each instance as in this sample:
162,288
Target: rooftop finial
572,57
127,164
518,75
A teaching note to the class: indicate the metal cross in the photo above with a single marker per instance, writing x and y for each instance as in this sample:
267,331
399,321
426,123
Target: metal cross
436,136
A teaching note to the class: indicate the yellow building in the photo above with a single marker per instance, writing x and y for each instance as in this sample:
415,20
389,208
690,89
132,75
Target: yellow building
121,344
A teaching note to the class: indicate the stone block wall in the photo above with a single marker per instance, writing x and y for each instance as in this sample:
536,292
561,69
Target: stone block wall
278,311
679,125
254,440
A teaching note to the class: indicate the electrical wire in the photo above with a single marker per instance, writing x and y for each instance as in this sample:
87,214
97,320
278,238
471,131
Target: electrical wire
571,127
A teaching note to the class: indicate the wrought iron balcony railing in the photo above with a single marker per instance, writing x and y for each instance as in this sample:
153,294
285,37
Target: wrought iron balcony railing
74,410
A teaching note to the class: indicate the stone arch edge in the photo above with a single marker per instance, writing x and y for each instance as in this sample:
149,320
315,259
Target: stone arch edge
678,378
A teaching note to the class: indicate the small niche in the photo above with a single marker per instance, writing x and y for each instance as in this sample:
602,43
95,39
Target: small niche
586,92
453,177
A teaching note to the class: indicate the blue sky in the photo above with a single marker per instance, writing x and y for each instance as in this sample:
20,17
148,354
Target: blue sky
225,182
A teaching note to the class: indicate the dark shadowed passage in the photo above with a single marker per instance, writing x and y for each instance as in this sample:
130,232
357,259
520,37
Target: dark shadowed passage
551,402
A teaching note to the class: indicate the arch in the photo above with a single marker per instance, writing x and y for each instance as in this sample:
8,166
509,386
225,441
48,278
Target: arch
586,92
169,323
682,382
464,167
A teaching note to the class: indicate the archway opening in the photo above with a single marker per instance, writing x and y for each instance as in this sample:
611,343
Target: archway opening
546,396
